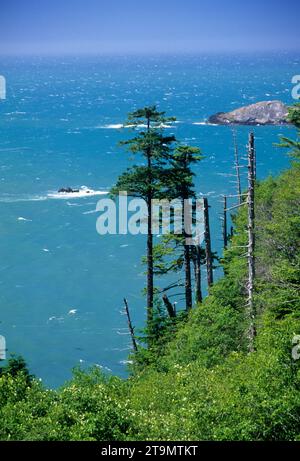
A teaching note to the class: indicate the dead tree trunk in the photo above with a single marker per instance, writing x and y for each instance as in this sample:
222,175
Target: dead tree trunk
225,235
208,254
252,147
197,273
150,270
131,329
237,167
169,306
251,243
187,254
188,278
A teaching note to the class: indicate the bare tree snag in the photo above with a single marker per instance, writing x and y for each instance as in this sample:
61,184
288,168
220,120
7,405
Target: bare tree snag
187,257
197,272
251,243
208,254
169,306
237,167
131,329
225,235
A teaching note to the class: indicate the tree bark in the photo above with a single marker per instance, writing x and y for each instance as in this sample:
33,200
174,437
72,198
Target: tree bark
169,306
197,272
225,235
188,278
237,168
150,276
187,258
131,329
150,272
209,266
251,243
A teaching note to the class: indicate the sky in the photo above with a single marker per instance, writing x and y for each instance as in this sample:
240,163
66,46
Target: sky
51,27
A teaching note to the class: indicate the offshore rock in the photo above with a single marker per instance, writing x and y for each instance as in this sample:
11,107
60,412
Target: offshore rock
261,113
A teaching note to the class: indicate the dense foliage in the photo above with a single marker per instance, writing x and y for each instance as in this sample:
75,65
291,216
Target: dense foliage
203,384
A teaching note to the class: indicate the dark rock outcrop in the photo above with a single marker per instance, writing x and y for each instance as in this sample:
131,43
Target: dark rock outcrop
68,190
261,113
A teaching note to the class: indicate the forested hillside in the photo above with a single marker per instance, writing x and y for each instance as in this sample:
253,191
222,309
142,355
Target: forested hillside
198,380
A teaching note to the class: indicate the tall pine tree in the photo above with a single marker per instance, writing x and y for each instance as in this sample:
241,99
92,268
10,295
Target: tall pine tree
147,182
174,253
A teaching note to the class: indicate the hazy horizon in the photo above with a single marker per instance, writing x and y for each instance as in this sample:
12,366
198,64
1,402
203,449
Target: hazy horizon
194,27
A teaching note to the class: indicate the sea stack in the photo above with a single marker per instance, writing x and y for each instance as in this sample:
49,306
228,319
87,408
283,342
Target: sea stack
261,113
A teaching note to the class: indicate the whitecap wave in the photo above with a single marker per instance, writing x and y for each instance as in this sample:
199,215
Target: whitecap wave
20,218
74,204
55,319
205,124
83,192
90,212
112,126
119,126
126,362
14,198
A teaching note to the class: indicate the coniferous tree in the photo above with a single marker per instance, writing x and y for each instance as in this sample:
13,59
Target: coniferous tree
147,182
176,246
183,188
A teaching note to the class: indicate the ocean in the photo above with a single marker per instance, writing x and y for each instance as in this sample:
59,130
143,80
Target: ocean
62,284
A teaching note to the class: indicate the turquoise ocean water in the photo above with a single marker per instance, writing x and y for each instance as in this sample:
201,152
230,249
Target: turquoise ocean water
61,284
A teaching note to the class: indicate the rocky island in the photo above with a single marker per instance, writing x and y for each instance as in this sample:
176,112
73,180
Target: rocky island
261,113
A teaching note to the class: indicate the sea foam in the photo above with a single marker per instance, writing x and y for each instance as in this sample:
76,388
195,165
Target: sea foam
118,126
83,192
20,218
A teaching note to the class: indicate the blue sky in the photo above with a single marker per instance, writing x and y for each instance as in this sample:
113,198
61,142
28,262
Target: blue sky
131,26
